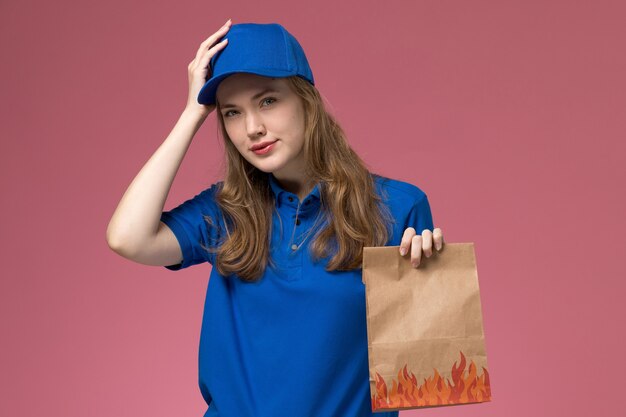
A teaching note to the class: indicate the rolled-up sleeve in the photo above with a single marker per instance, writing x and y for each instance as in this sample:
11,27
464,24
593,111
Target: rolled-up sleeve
193,232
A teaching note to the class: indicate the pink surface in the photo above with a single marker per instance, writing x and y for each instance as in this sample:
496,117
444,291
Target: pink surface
509,115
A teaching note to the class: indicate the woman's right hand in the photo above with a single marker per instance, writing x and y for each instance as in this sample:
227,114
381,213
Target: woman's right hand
199,71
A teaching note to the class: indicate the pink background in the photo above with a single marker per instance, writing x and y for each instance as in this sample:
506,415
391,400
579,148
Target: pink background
510,115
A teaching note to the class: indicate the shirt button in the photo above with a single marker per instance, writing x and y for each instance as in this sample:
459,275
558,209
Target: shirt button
298,222
294,247
290,198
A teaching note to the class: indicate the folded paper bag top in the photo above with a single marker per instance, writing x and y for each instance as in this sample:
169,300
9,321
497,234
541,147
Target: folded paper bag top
426,345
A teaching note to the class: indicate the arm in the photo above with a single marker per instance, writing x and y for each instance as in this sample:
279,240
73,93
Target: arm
135,230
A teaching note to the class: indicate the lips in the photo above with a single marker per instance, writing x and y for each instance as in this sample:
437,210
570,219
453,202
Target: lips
261,145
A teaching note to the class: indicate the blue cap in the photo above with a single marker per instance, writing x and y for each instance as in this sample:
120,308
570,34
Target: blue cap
266,49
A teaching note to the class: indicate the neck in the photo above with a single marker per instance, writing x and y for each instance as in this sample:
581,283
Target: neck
297,186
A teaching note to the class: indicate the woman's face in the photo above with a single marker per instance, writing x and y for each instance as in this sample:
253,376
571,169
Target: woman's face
253,115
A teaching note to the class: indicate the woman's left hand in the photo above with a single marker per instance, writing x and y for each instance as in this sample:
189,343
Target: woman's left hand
414,244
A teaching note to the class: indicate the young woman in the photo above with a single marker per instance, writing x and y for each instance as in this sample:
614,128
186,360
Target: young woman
284,325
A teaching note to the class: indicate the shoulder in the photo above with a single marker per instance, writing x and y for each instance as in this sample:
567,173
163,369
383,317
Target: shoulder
208,196
408,205
203,202
398,191
212,190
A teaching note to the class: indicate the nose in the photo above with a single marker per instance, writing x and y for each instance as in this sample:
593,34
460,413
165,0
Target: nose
255,127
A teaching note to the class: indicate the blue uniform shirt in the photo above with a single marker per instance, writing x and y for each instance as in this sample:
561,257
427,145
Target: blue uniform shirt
295,342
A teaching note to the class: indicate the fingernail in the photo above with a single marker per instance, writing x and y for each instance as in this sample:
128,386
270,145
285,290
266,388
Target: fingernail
403,251
415,264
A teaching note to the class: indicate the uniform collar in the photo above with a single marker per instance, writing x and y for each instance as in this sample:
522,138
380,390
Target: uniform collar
284,197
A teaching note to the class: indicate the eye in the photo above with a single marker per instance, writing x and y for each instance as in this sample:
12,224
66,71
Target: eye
268,98
272,99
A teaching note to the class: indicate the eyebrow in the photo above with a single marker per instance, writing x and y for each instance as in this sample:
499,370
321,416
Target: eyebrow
254,97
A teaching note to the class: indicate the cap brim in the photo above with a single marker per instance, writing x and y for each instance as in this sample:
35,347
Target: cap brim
206,95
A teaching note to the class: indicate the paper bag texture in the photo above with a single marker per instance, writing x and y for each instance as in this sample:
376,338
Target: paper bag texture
424,328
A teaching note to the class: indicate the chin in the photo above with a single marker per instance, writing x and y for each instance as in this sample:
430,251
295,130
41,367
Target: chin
268,166
267,171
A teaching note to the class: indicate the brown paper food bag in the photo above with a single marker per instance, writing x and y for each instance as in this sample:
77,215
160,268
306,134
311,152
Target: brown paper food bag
424,326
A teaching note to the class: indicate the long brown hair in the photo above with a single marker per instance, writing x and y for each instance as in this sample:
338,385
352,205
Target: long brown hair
355,215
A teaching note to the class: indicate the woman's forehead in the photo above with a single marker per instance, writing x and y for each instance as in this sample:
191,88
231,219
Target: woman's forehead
245,85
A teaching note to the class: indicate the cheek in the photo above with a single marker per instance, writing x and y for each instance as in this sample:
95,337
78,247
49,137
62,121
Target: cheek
294,124
236,143
241,147
236,136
